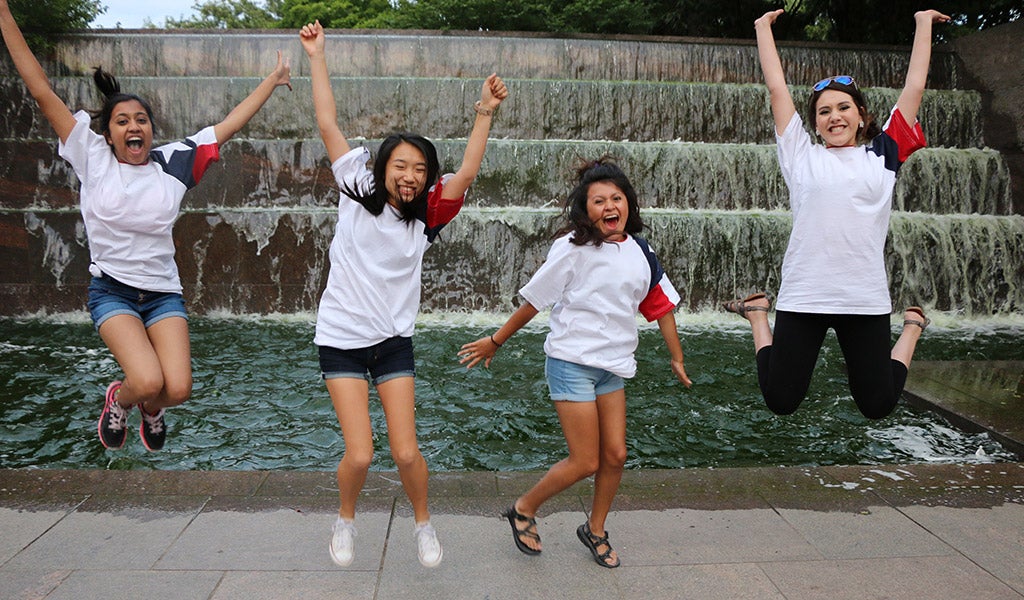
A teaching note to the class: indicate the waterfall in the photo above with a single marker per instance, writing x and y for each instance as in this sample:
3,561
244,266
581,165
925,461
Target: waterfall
688,120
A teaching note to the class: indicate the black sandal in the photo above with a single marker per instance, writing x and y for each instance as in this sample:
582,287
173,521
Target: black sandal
592,541
514,515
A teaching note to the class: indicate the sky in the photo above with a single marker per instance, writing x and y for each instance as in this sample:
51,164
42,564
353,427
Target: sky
131,14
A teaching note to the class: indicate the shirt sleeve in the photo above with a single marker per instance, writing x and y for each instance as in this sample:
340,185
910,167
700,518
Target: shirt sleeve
81,143
898,140
661,297
188,159
549,282
792,146
441,211
351,171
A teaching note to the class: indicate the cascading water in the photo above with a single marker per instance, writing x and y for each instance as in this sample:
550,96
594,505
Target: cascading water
689,122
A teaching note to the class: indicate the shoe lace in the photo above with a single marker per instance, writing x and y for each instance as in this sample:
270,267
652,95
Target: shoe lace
118,417
154,423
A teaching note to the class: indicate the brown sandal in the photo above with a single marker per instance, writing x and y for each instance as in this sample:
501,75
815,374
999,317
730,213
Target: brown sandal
923,323
740,307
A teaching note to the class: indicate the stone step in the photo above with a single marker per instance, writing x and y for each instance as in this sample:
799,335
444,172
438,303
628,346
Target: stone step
532,173
238,53
275,260
441,108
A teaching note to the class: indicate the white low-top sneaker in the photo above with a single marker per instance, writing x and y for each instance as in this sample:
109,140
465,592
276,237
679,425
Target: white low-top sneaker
429,548
343,542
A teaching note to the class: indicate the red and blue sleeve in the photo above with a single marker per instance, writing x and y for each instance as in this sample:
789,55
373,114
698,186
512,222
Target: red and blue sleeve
188,159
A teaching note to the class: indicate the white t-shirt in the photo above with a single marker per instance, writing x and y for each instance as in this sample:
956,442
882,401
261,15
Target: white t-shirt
596,292
373,287
130,210
841,200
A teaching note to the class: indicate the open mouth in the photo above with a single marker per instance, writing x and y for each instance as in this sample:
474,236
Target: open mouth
611,222
134,143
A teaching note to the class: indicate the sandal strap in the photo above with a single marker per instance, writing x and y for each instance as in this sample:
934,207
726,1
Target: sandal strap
596,541
530,522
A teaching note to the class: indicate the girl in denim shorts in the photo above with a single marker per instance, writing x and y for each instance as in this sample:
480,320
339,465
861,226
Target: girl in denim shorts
388,216
129,197
597,275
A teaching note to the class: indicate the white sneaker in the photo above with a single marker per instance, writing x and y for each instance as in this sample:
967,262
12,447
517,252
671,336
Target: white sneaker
343,542
429,548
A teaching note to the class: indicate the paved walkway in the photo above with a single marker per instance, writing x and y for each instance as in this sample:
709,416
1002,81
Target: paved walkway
921,531
928,532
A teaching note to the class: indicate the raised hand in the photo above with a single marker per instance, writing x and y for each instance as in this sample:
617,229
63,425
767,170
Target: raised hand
312,36
493,92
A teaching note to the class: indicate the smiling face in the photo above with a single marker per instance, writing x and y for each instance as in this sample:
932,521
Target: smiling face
608,209
837,118
405,175
131,132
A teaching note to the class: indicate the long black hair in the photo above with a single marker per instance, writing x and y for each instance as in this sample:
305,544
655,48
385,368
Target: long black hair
575,208
871,127
376,199
113,95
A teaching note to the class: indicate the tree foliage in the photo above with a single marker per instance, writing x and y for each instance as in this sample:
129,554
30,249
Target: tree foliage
231,14
39,18
839,21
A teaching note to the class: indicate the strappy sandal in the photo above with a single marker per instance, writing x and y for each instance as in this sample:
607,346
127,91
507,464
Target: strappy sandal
740,307
518,535
591,541
923,323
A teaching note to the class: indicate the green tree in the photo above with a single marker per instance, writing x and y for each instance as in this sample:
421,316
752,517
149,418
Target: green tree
337,14
41,18
492,15
231,14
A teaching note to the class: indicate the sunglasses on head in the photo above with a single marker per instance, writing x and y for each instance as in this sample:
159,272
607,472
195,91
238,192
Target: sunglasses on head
840,79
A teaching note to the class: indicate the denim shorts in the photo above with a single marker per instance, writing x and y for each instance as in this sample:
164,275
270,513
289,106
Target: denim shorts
378,363
109,297
579,383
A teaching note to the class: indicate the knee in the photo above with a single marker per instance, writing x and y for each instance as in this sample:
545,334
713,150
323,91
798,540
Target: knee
406,457
145,387
358,460
585,466
177,392
782,404
614,458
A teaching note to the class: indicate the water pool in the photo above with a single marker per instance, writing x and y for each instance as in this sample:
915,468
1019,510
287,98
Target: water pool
258,402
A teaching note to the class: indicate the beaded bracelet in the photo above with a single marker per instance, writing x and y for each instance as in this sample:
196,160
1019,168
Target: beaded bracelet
480,110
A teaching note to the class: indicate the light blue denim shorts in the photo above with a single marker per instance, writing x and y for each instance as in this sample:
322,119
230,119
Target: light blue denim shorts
579,383
109,297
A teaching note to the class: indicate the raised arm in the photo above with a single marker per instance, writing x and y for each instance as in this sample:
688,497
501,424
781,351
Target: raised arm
667,325
920,57
54,109
782,101
312,36
486,347
247,108
493,92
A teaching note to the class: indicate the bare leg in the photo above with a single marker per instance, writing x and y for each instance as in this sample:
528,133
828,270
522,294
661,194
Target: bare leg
612,421
580,426
156,363
398,397
903,351
351,403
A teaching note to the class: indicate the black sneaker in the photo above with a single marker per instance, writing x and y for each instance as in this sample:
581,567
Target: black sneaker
113,420
153,430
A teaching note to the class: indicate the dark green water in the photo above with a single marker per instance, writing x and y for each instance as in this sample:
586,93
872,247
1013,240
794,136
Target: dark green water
258,401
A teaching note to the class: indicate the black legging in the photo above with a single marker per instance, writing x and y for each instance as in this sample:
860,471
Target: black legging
784,369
